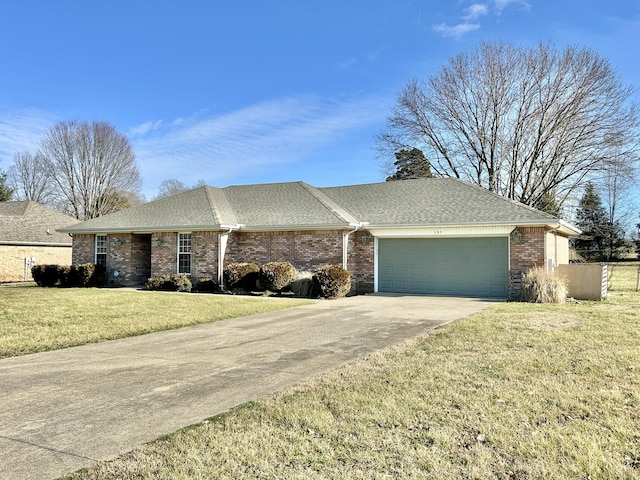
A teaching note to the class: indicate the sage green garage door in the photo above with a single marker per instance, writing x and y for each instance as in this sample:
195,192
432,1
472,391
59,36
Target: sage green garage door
473,267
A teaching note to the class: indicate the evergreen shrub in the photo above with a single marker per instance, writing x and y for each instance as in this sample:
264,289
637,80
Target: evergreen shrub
276,276
178,282
45,275
332,281
303,286
206,285
240,276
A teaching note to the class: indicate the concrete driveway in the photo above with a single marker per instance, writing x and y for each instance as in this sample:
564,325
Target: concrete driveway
64,410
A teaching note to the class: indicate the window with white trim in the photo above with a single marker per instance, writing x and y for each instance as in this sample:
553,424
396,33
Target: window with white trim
101,250
184,253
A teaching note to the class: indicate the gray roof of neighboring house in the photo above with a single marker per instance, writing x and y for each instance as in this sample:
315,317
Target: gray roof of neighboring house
297,205
30,223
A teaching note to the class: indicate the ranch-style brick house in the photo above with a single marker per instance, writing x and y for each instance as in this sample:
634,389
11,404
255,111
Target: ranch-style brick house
438,236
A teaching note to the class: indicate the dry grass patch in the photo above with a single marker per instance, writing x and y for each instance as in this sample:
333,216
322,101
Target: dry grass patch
493,396
36,319
553,320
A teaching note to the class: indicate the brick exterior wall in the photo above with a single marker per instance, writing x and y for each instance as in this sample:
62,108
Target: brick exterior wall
529,253
83,249
12,259
164,253
305,250
138,257
204,255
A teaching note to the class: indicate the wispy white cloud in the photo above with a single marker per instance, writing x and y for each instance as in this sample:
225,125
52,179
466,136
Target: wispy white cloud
471,14
500,5
144,128
475,11
456,31
20,130
268,135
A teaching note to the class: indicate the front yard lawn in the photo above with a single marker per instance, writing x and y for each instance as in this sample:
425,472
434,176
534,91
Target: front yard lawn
34,319
519,391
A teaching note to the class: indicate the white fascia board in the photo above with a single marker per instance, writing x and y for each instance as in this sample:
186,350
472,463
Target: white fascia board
442,231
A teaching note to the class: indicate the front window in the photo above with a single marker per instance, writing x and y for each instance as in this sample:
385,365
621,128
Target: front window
101,250
184,253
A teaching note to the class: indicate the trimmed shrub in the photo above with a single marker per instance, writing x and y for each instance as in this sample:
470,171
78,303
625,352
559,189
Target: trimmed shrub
65,276
90,274
303,285
181,282
178,282
206,285
159,282
240,276
45,275
332,281
540,286
276,276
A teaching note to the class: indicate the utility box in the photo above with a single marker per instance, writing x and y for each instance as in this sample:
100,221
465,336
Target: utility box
585,281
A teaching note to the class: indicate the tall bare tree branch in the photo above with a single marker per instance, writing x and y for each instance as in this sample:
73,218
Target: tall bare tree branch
28,177
92,166
522,122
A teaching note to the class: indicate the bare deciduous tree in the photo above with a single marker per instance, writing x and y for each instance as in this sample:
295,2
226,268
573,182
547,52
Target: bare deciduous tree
28,177
91,165
171,186
525,123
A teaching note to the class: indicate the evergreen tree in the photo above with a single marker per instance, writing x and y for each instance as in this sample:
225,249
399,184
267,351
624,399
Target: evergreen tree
601,239
548,204
410,164
5,191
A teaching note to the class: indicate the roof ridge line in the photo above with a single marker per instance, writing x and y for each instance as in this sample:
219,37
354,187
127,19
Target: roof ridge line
212,206
335,208
217,215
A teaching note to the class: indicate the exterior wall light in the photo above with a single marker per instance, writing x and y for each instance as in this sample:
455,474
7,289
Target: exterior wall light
516,236
366,238
160,241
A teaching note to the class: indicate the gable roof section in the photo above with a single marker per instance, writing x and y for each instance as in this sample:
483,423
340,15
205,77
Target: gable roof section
285,205
299,206
197,209
30,223
431,202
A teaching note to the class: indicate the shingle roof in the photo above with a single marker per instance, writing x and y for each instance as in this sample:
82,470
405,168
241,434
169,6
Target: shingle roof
30,223
297,205
281,204
432,201
194,209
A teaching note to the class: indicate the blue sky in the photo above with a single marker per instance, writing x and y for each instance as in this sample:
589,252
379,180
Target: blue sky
261,91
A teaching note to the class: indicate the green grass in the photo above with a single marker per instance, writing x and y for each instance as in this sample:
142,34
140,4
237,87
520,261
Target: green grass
519,391
36,319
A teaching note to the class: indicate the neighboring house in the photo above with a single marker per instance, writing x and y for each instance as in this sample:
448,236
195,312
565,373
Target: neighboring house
432,236
28,236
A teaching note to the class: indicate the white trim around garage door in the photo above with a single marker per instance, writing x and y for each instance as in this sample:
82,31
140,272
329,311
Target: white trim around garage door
434,232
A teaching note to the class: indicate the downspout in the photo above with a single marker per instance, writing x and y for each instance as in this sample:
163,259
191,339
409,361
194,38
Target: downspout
223,237
345,241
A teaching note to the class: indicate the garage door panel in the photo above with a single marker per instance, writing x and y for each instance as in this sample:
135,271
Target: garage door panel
453,266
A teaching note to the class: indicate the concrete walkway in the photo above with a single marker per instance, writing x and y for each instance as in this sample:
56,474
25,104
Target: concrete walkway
64,410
